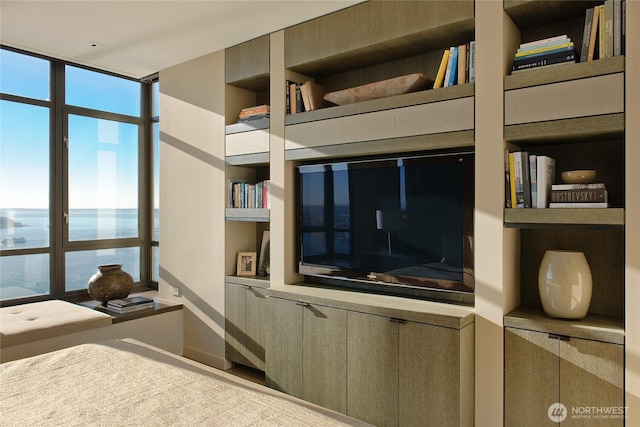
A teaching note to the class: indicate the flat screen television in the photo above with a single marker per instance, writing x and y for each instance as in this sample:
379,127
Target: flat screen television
401,225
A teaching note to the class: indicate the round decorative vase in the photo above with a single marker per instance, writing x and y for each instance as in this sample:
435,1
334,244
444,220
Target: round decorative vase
565,284
110,282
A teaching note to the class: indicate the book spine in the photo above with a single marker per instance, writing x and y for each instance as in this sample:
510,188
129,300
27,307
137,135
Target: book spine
544,49
578,205
602,33
519,179
442,70
462,64
545,54
593,39
579,196
608,25
623,27
546,170
586,35
526,179
533,174
541,62
544,45
447,74
617,27
287,96
453,77
512,180
547,40
472,61
507,180
299,104
593,186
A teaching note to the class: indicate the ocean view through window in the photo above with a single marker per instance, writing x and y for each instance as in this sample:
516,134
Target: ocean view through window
74,190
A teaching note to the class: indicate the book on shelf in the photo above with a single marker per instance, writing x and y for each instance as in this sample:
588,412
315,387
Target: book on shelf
546,172
452,67
545,52
556,58
529,178
593,38
312,95
244,195
608,28
617,27
533,163
472,61
439,81
586,34
507,180
596,195
462,64
590,186
602,43
579,205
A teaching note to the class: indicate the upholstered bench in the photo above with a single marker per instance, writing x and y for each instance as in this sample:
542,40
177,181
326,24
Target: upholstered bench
27,323
41,327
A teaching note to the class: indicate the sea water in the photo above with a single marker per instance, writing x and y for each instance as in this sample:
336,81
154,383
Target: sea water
24,275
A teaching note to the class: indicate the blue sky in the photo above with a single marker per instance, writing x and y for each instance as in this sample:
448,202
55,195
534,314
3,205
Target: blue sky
103,154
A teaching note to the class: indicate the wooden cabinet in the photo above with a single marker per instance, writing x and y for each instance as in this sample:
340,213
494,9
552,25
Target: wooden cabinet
306,347
583,371
244,323
369,362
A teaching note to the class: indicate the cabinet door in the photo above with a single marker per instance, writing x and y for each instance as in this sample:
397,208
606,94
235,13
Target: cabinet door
591,382
430,375
531,378
324,378
235,323
372,369
283,364
256,308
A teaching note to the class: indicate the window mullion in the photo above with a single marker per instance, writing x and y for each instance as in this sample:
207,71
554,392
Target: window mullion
58,180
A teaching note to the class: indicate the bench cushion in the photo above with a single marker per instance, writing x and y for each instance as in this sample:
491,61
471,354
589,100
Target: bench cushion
35,321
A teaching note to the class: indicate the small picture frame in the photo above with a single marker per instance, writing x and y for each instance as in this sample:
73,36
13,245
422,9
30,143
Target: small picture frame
246,263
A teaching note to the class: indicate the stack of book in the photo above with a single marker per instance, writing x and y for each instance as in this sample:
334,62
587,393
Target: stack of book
128,305
301,97
556,50
458,66
579,196
245,195
528,179
604,31
250,114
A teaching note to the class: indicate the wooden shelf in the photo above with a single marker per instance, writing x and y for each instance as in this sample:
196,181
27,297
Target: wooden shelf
247,64
549,218
548,75
246,214
253,281
376,32
593,327
535,13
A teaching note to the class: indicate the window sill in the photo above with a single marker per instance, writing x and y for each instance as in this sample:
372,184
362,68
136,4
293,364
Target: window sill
159,308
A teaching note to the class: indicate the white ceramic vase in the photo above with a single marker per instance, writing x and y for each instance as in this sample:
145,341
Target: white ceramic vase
565,284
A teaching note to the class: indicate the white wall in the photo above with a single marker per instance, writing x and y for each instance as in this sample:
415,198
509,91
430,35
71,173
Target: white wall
192,199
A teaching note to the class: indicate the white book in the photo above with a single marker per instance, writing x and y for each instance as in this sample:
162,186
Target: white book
472,61
546,171
547,40
579,205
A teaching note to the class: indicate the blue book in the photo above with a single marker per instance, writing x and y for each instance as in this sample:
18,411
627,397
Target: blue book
453,75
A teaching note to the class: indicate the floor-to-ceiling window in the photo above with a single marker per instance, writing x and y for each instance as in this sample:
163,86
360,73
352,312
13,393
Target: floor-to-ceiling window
75,177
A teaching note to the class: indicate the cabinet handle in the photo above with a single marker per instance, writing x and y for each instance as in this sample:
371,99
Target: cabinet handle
246,286
395,320
302,304
560,337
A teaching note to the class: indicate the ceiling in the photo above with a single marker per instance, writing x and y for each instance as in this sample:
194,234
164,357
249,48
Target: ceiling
140,38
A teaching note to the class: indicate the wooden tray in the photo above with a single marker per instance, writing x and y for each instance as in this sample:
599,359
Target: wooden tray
381,89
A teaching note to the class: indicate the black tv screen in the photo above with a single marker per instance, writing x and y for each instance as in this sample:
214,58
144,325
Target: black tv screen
403,222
